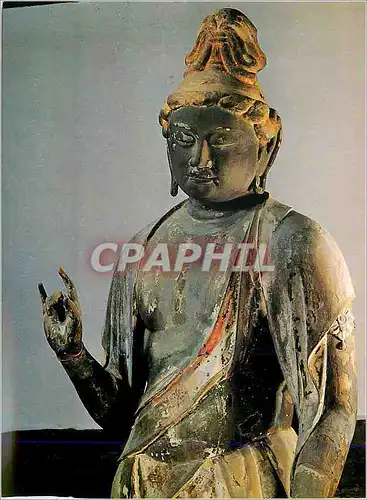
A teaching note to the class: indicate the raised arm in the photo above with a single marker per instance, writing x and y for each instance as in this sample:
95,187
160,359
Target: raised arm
108,398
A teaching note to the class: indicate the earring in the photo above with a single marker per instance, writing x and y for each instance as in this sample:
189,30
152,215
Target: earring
174,186
258,185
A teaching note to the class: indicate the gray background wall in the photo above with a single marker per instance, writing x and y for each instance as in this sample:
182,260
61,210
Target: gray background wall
84,160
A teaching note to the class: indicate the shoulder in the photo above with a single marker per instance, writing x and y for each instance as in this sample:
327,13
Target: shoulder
299,232
303,251
302,240
293,234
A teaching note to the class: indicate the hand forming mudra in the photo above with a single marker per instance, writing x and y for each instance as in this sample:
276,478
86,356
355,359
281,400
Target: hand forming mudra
62,318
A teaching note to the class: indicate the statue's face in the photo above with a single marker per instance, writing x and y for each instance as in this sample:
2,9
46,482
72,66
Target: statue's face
213,153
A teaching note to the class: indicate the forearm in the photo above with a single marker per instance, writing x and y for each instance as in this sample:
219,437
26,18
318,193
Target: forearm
321,461
107,399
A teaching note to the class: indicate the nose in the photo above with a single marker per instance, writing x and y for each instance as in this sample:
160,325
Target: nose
202,158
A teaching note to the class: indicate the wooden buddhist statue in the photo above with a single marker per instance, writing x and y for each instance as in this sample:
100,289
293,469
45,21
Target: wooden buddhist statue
226,377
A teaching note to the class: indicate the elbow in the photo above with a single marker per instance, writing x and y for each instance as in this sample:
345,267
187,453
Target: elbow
344,407
346,415
338,423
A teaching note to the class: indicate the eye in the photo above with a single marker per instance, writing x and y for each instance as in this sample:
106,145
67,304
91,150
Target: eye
221,141
183,138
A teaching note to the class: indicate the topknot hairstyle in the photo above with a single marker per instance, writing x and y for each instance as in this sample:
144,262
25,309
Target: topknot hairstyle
222,71
227,40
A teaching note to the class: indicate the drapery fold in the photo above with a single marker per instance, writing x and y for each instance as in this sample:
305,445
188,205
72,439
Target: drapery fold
302,297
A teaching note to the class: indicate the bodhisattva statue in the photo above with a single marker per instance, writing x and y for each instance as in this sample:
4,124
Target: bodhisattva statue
237,382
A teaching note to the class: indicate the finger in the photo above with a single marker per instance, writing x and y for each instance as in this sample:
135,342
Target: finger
73,318
72,308
60,309
70,287
73,325
52,302
42,292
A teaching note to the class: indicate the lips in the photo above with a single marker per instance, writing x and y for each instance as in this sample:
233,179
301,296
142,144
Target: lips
204,181
202,178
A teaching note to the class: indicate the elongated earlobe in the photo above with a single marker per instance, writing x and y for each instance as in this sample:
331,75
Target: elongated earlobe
174,186
259,152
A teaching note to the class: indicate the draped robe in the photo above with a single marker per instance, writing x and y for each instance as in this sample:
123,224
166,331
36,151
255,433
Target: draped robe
299,301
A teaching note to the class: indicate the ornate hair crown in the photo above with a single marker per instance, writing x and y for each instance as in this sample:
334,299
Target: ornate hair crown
227,41
225,59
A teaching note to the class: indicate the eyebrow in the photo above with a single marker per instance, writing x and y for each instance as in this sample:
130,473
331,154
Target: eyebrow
187,127
182,125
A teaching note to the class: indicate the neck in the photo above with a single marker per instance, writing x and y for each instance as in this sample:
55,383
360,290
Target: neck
202,209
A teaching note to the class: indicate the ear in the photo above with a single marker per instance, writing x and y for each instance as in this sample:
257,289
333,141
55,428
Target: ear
267,154
174,184
169,159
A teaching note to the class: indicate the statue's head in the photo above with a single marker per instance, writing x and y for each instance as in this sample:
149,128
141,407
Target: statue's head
222,136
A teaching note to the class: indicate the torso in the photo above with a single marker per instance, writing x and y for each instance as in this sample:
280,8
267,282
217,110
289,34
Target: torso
178,310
